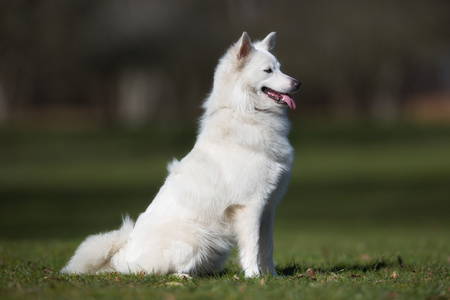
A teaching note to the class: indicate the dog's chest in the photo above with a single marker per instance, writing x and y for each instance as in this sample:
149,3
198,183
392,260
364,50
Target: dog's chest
255,168
252,156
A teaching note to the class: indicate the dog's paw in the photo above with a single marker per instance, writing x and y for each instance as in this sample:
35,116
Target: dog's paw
251,273
182,276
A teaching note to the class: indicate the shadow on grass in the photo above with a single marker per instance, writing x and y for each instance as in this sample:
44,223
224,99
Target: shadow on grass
295,268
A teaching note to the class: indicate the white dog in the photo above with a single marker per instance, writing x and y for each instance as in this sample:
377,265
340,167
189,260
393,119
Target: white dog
224,191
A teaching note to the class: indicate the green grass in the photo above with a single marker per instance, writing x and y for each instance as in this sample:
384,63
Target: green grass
359,199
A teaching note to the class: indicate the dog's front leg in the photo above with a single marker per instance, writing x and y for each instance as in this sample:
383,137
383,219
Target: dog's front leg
247,226
266,242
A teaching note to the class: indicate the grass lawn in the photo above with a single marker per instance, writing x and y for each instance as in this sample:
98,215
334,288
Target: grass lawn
367,209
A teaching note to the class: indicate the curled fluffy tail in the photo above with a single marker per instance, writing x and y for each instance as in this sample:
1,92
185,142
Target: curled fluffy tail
95,253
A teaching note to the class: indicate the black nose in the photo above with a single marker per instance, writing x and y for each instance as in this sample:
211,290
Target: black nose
296,84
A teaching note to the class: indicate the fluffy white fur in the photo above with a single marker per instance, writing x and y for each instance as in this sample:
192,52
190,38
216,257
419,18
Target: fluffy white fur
224,191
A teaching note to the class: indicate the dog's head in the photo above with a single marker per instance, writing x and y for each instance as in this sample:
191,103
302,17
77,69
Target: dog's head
251,78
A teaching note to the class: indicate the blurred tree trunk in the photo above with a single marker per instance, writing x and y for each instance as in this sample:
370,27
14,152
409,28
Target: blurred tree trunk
385,105
3,106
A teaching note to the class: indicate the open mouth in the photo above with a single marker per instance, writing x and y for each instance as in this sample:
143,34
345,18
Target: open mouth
279,98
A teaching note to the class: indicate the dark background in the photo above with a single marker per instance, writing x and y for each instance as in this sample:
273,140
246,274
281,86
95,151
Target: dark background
134,62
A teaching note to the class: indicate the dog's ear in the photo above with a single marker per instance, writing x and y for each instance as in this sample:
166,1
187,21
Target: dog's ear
269,42
245,46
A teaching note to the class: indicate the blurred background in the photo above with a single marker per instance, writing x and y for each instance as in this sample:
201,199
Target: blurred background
97,96
132,62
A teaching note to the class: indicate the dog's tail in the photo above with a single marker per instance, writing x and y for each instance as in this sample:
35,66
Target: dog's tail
95,253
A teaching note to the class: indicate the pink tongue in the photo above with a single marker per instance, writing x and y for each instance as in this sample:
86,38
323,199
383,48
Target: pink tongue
290,102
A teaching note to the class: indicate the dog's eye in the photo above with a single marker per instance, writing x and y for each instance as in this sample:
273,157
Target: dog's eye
268,70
